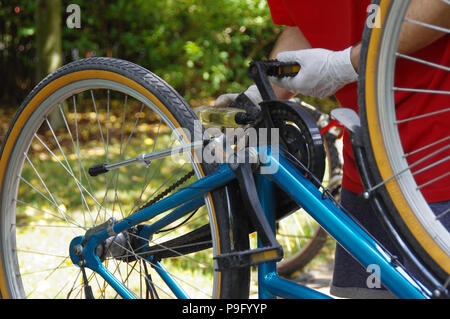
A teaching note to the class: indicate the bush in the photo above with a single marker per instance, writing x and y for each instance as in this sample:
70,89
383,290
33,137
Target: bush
201,47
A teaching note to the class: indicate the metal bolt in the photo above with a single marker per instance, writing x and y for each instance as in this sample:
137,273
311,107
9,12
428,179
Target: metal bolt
437,293
78,250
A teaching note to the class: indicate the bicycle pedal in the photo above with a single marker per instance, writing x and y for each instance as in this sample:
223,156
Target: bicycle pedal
248,258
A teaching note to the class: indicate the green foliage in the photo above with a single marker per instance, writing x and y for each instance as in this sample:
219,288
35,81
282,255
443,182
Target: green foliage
201,47
17,50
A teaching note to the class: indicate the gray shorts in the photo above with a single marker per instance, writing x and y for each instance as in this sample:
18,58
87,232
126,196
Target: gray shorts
350,278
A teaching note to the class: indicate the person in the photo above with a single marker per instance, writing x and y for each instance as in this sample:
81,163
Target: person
324,37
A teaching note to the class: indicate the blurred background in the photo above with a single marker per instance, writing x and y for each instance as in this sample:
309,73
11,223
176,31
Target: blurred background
200,47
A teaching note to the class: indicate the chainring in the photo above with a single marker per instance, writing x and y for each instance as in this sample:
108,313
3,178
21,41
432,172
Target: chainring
301,136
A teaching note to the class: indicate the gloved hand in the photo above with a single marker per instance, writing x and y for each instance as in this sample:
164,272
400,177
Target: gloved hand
226,99
322,72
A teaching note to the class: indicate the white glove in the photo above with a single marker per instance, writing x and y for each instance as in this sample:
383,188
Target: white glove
252,93
322,72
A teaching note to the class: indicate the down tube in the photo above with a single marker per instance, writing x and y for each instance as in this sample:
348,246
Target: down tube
355,240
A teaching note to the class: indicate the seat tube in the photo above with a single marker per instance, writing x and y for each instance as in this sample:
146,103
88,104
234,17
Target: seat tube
265,190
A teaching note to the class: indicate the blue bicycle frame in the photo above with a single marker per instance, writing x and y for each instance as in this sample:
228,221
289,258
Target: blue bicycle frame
338,224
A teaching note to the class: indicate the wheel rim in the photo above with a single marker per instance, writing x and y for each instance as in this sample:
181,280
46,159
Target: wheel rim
12,263
392,161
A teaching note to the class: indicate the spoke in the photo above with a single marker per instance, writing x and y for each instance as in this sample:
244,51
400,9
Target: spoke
98,121
42,181
65,168
52,200
172,249
148,181
43,270
44,226
75,284
73,145
176,277
421,91
73,222
134,126
445,159
121,154
432,64
36,252
443,214
80,166
426,147
409,168
294,236
83,199
428,25
447,282
57,268
105,199
65,285
107,181
138,258
299,227
167,181
38,191
433,180
147,169
422,116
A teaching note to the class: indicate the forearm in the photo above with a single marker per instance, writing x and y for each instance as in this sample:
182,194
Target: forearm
414,37
291,39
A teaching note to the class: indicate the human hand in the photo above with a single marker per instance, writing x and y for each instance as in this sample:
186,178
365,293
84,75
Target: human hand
252,93
322,73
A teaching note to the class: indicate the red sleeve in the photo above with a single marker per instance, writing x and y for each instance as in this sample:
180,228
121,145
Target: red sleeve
279,14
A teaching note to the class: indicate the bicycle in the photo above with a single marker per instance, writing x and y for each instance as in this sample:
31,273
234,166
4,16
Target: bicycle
106,256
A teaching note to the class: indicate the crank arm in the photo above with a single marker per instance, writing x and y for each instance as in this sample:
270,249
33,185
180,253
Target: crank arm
271,250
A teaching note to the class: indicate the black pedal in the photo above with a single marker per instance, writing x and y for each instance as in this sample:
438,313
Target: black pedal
248,258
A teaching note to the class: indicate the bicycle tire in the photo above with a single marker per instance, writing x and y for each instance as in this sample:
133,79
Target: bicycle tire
376,103
136,79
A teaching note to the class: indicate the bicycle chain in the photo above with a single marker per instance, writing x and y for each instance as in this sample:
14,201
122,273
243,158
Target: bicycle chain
168,190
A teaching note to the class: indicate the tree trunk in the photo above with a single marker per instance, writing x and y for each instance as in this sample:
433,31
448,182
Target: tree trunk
48,45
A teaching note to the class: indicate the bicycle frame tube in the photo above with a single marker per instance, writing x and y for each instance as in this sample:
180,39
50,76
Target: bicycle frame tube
346,231
187,199
340,226
270,284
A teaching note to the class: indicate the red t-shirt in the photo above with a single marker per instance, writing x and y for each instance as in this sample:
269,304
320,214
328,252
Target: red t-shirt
336,25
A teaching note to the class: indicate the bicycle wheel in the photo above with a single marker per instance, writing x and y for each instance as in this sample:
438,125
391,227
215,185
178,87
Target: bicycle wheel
301,236
405,169
109,110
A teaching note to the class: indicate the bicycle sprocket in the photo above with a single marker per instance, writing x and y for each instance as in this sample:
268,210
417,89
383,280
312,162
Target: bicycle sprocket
301,137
